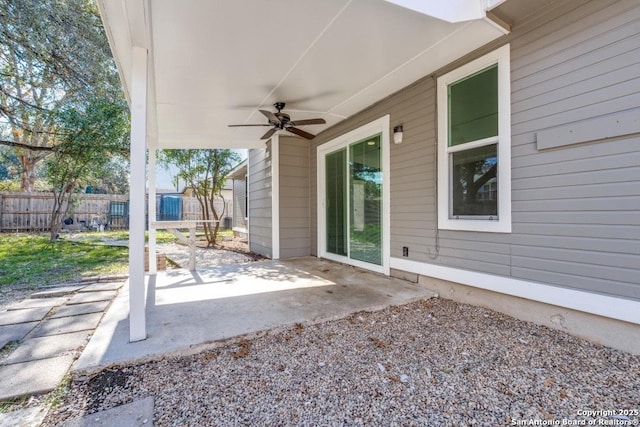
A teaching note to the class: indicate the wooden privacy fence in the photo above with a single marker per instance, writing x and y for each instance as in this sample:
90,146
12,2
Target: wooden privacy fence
32,211
191,210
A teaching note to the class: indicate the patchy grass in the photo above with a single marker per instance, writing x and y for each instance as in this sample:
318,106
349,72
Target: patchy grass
225,234
31,260
107,237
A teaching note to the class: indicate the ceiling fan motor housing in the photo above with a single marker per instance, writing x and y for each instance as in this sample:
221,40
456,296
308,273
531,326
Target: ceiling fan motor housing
282,121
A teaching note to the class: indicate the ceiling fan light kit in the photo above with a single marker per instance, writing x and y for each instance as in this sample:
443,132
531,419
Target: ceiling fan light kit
282,121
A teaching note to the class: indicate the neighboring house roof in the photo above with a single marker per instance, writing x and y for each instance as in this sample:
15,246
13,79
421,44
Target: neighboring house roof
239,171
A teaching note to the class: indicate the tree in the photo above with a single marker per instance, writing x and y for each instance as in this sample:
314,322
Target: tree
205,171
53,55
93,137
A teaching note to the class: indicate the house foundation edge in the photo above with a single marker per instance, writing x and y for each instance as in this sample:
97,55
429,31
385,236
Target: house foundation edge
614,333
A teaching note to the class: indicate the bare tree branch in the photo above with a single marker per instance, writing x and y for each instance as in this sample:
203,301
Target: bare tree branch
26,146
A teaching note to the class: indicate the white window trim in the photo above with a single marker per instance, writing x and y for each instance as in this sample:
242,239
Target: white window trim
379,126
500,56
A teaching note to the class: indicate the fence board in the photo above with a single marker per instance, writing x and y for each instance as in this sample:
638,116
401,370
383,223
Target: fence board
32,211
191,210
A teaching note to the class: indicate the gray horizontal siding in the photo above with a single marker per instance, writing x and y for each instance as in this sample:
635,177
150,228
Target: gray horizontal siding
576,209
294,197
240,203
260,203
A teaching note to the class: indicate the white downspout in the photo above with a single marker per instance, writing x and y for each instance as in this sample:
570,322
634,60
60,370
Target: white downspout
137,189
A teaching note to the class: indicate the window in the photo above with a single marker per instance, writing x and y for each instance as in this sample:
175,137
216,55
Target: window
474,145
246,197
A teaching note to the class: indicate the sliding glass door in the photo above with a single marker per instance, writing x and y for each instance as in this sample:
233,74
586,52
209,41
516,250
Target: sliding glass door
353,201
336,202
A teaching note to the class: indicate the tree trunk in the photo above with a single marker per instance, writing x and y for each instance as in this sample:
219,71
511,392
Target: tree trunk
61,204
28,175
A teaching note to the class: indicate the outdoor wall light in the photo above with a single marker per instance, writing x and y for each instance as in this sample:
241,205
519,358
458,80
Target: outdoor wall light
397,134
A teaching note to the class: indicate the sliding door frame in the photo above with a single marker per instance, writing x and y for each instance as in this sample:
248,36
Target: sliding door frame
379,126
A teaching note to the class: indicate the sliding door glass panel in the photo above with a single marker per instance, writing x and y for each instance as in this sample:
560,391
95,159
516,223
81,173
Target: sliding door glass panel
365,204
336,202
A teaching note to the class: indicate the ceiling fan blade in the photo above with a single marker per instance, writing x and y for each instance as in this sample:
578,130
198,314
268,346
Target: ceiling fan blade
238,126
270,116
309,122
268,134
300,132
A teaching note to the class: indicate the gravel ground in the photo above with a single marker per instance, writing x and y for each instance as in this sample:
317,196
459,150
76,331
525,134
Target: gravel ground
428,363
230,252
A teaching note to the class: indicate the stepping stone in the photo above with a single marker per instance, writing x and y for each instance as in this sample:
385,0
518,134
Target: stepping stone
38,303
57,292
47,347
64,325
84,297
23,316
16,332
28,417
36,377
136,413
74,310
107,286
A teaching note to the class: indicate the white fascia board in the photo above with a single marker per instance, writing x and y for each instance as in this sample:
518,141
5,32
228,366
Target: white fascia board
602,305
114,19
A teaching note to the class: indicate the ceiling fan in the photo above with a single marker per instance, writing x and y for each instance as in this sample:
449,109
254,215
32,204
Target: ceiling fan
282,121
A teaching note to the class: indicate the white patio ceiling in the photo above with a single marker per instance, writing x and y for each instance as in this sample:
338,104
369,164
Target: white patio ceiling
215,63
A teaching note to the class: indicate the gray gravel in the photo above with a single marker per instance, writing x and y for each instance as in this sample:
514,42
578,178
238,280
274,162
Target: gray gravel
205,257
432,362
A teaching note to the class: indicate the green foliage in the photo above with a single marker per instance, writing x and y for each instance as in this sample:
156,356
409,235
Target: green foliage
9,164
94,134
205,171
9,185
30,259
54,56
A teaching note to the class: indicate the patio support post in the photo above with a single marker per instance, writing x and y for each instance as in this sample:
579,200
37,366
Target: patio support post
137,189
153,258
275,197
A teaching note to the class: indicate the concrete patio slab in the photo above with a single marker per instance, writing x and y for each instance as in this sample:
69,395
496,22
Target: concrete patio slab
47,347
13,317
84,297
74,310
108,286
36,377
16,332
57,292
136,413
188,309
63,325
28,417
38,303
